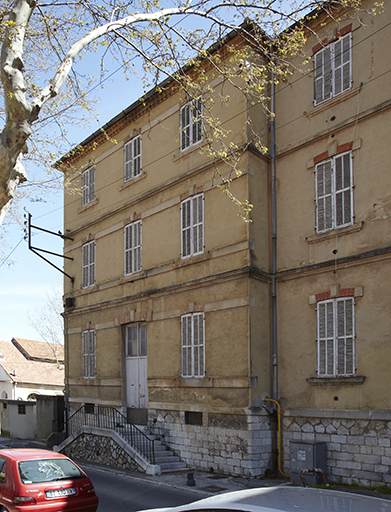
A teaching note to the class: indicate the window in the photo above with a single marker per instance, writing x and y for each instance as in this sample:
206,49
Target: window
2,470
192,226
335,319
333,69
21,409
193,354
191,124
88,186
89,354
136,340
334,193
133,248
132,159
88,264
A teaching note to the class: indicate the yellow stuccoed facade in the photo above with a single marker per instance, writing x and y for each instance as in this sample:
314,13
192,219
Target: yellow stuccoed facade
185,343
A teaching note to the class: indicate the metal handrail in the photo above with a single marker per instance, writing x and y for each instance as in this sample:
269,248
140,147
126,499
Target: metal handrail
110,418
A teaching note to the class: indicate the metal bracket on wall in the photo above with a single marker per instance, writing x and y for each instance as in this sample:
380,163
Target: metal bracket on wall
28,227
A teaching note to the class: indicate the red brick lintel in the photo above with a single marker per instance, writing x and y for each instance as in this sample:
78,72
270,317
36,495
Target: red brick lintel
345,292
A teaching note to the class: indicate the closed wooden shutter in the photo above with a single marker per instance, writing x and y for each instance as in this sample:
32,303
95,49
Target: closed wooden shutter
133,248
128,161
343,190
185,126
324,196
88,264
198,331
345,337
323,75
325,338
186,341
186,228
342,64
89,354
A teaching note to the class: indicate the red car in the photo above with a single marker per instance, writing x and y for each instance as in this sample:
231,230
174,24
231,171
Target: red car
44,481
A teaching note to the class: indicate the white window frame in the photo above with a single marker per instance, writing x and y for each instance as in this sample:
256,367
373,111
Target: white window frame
132,159
191,124
89,354
133,248
192,226
333,69
88,264
336,337
136,340
334,193
193,345
88,186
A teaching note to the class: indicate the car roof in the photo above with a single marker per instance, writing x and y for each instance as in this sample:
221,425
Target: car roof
29,454
287,499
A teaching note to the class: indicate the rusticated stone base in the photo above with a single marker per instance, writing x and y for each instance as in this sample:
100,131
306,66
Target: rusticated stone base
358,442
101,449
232,444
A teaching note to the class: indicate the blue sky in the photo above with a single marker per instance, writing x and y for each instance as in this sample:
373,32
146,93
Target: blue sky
25,283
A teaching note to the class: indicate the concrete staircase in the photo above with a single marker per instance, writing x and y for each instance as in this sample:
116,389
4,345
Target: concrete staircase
164,457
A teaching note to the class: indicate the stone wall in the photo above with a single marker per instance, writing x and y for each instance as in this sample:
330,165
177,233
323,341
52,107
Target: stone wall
101,449
231,444
358,442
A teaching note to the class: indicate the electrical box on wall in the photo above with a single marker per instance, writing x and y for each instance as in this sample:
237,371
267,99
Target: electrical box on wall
308,455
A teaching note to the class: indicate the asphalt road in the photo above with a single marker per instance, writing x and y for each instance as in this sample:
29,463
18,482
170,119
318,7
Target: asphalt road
121,493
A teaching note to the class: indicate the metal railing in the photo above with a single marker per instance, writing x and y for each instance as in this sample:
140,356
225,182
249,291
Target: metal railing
110,418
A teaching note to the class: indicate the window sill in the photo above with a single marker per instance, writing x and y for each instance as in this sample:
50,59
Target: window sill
336,381
89,205
132,181
330,235
189,150
332,102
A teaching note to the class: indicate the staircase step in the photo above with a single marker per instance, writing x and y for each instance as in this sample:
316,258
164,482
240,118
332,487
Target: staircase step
171,467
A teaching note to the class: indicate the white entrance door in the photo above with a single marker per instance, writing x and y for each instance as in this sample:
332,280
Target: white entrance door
136,366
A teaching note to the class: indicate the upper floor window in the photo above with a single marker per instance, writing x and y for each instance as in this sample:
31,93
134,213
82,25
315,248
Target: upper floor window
133,248
88,264
88,186
335,322
192,226
334,193
191,123
193,345
333,69
89,354
136,340
132,159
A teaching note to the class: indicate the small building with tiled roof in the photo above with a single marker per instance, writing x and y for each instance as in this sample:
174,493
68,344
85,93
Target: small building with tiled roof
29,368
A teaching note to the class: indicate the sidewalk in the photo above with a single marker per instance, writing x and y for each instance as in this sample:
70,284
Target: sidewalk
205,483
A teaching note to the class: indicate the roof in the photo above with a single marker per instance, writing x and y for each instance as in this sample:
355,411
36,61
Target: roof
39,350
20,368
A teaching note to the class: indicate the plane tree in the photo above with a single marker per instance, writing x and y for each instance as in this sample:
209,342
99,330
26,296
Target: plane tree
42,88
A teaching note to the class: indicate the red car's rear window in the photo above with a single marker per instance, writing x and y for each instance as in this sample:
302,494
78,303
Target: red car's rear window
48,470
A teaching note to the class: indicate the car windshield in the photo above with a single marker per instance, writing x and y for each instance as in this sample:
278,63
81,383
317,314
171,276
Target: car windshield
48,470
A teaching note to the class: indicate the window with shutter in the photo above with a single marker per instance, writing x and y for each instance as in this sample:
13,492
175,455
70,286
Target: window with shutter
132,159
335,324
192,226
334,193
191,124
133,252
193,344
333,69
88,186
88,264
89,354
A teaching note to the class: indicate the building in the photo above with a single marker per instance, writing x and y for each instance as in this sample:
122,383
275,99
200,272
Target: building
184,317
29,368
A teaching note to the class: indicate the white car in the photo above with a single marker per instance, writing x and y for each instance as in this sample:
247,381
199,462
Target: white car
285,499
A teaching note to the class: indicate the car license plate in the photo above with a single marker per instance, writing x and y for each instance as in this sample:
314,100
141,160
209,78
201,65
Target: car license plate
57,493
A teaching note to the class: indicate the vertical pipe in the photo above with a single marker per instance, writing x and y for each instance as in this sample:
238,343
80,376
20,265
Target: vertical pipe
274,240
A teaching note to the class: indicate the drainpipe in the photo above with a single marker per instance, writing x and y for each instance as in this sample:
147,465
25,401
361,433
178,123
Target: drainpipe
274,240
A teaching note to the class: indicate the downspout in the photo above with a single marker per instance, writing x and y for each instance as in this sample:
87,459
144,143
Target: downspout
274,238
